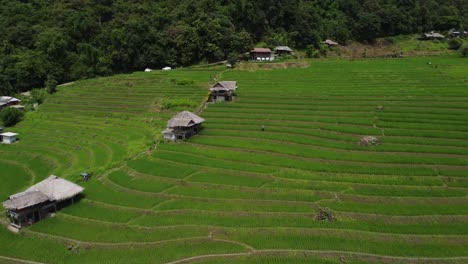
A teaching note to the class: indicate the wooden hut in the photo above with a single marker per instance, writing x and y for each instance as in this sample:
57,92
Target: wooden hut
261,54
182,126
39,200
222,91
283,50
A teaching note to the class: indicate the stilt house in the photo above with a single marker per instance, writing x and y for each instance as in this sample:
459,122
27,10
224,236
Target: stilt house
182,126
41,199
222,91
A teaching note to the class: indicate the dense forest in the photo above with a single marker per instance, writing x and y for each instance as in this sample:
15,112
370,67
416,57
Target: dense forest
62,40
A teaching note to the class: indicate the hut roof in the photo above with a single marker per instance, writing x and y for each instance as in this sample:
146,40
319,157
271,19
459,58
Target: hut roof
261,50
51,189
56,188
8,99
224,86
25,199
330,42
283,48
433,34
8,134
184,119
17,106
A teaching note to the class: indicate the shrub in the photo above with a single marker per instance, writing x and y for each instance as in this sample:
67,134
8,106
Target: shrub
37,96
464,52
311,52
51,85
184,82
11,116
455,43
325,214
173,103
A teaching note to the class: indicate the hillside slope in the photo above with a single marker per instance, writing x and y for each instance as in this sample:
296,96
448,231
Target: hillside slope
238,194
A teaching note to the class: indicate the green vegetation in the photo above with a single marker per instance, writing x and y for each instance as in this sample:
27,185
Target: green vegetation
11,116
45,42
238,189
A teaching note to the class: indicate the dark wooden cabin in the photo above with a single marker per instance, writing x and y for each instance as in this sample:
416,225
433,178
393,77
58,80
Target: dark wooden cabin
222,91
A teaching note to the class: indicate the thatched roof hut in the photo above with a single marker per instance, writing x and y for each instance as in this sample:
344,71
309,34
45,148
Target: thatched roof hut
185,119
25,199
224,86
182,126
53,189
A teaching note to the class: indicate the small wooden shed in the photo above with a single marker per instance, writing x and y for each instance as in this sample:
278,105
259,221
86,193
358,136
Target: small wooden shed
261,54
283,50
222,91
39,200
8,137
182,126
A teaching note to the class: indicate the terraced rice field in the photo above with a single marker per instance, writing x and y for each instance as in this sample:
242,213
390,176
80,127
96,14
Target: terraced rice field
237,194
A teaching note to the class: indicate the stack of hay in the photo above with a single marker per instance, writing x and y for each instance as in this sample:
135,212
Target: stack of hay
369,141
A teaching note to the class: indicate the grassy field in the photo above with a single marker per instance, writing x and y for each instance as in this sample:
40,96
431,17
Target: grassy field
237,194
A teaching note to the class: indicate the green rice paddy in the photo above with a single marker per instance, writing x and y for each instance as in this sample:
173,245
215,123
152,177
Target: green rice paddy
238,194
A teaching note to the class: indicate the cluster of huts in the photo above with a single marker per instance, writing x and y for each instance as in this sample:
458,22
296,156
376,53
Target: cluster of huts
186,124
266,54
452,33
40,200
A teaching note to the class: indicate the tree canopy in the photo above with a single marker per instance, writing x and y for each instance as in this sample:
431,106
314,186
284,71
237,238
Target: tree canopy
71,39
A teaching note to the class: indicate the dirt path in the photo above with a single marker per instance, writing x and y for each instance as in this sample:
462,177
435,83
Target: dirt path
326,253
19,260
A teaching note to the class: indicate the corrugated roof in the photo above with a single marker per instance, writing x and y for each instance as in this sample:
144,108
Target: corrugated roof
224,86
184,119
